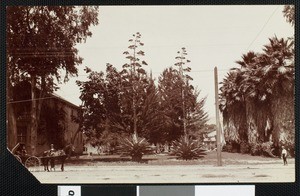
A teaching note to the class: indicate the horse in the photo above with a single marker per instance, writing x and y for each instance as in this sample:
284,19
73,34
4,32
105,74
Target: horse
60,155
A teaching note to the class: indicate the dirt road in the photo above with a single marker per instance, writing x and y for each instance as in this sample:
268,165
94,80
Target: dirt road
251,173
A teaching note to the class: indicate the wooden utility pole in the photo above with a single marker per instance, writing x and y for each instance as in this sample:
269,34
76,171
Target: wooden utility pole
217,118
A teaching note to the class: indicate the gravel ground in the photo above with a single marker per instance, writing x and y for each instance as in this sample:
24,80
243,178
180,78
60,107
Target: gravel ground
246,169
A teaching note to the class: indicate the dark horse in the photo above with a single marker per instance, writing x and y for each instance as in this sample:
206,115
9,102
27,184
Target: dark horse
59,155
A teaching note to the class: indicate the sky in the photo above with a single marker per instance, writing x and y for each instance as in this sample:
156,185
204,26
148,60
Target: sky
214,36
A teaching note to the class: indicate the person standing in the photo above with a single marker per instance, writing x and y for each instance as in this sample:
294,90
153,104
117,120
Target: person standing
284,155
52,160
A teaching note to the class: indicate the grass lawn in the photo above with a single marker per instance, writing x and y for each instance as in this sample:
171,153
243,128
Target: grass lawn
163,159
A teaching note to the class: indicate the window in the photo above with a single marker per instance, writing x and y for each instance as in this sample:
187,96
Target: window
21,134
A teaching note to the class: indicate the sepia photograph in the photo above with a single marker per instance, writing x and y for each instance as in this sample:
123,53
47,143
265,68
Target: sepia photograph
152,94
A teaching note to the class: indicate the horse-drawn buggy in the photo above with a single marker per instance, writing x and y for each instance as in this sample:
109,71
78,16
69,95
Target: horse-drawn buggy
34,163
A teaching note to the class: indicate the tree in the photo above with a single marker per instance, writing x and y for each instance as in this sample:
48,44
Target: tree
193,115
40,44
151,122
181,61
101,111
124,103
134,83
232,107
93,116
277,86
262,91
52,125
289,13
183,110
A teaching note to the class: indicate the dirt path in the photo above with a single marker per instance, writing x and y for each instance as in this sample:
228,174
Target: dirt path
171,174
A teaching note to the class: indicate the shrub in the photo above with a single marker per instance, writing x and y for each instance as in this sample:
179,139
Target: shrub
268,149
134,148
244,147
231,146
187,149
290,148
255,149
227,147
265,149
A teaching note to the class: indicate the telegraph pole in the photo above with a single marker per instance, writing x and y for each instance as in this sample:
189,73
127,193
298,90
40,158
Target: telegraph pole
217,118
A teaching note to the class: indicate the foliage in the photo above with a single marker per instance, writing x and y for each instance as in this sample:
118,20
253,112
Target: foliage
134,83
52,125
182,108
110,140
134,147
129,102
169,93
40,45
93,108
289,14
244,147
268,149
150,120
255,98
255,149
187,149
265,149
41,40
231,146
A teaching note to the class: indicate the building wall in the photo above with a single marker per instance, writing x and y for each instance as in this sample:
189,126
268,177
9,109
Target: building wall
43,141
70,126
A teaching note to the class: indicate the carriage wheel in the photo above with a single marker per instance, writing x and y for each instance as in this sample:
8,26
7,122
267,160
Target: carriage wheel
33,163
18,158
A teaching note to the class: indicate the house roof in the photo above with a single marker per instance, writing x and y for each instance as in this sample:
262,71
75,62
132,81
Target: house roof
212,139
212,133
56,96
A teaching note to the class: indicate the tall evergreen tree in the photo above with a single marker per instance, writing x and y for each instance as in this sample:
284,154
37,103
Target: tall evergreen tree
183,109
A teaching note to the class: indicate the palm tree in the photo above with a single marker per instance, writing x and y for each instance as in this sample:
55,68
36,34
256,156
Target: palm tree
231,100
289,13
247,87
238,112
276,86
257,99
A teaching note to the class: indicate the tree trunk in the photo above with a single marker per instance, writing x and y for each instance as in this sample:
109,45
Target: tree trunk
11,126
135,134
11,132
40,100
262,119
33,120
251,123
230,131
282,109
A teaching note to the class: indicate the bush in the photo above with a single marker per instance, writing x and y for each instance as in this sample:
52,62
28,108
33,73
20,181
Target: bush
187,149
244,147
290,148
134,148
268,149
227,147
231,146
255,149
265,149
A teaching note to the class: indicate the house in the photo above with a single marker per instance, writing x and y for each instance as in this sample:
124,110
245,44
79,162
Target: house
210,140
55,125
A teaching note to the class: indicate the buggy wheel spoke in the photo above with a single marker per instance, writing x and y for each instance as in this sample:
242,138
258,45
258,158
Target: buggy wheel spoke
33,163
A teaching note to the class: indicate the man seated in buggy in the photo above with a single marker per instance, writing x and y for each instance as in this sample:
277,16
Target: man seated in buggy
21,151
